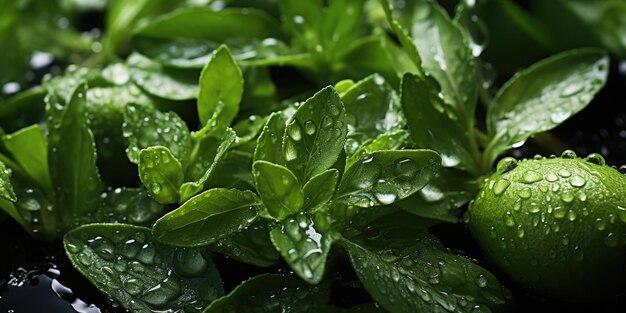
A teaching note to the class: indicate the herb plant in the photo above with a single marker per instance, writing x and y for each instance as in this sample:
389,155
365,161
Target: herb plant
301,136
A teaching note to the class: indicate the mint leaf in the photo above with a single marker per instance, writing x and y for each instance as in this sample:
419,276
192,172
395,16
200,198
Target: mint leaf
72,158
407,270
167,83
304,241
279,189
272,293
29,149
228,88
146,127
384,177
161,173
206,156
319,190
127,206
433,125
128,265
207,217
315,135
562,85
269,144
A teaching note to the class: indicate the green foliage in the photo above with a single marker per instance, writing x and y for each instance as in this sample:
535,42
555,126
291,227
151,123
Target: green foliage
291,135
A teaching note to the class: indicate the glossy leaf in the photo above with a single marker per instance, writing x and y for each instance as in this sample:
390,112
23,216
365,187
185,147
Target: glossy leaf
445,54
127,206
320,189
72,158
304,241
279,189
269,146
268,293
161,173
29,148
433,125
207,217
234,172
407,270
146,127
220,80
541,97
384,177
315,135
206,157
174,84
391,141
217,26
251,245
128,265
6,188
372,108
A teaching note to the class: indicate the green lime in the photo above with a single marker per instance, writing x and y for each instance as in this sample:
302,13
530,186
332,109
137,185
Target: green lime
555,225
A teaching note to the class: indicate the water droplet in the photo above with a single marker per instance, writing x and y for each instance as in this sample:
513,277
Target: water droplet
572,89
520,231
481,281
309,127
564,173
506,164
571,215
155,187
577,181
508,219
524,193
568,154
290,151
611,240
530,177
595,158
551,177
406,168
600,224
501,186
294,131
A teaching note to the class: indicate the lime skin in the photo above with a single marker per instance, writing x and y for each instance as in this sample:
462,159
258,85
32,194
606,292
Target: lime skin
556,226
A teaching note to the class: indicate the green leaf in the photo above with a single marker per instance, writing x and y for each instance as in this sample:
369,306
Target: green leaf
384,177
204,23
372,108
127,206
342,24
433,125
541,97
391,141
304,241
279,189
251,245
220,80
269,144
125,263
6,188
72,158
206,157
146,127
445,54
161,173
320,189
443,196
303,20
315,134
269,293
29,149
207,217
407,270
167,83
